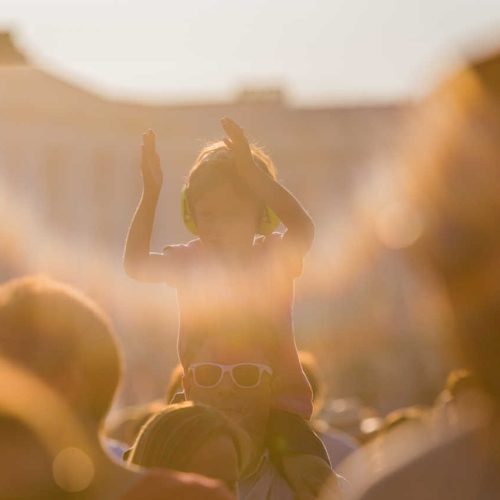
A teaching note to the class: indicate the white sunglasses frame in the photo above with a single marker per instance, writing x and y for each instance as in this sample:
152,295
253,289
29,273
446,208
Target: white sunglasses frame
229,369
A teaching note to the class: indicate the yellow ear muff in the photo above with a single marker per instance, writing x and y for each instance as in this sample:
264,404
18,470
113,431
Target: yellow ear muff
269,222
187,216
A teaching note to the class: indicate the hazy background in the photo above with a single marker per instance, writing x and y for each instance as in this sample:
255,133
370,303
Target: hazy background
321,50
327,87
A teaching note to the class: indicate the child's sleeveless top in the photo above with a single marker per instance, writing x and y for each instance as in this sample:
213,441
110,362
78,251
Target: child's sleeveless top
242,308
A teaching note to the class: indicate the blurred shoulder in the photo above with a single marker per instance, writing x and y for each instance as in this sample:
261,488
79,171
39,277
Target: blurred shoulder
158,484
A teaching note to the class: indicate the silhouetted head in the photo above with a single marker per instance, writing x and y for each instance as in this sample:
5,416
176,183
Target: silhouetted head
193,438
64,338
213,377
456,188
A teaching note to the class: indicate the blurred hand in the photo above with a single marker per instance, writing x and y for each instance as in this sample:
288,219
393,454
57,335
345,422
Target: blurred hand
306,474
152,175
161,484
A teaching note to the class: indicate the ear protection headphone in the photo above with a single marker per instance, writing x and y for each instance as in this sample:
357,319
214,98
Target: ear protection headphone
268,223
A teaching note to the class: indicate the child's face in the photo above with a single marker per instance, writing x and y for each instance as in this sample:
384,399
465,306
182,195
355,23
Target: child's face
226,218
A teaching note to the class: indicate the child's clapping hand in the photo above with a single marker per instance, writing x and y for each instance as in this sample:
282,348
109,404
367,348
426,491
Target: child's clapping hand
238,145
152,175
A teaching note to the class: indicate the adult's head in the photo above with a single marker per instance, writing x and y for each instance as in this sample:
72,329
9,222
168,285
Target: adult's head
60,335
236,383
193,438
456,188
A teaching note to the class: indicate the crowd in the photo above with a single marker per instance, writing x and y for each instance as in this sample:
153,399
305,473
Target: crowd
242,415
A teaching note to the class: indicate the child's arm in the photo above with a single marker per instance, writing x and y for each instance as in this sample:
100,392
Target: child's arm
300,228
138,262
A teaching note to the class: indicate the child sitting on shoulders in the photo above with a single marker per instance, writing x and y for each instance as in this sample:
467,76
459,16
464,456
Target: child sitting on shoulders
238,271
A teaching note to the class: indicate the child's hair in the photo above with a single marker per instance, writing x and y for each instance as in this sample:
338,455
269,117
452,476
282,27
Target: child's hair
172,437
215,165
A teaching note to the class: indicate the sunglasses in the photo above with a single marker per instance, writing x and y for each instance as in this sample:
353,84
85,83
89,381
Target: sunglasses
243,375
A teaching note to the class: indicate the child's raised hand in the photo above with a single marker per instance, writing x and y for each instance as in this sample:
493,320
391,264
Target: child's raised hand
237,144
150,164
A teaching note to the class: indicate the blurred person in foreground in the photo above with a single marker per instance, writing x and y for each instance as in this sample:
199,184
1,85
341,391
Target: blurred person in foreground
63,338
193,438
456,191
44,452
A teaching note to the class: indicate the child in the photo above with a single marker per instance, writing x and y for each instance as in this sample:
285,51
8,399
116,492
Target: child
238,272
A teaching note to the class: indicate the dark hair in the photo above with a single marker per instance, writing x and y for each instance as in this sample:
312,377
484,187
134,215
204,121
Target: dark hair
214,165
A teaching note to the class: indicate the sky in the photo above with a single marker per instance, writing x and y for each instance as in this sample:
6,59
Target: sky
317,50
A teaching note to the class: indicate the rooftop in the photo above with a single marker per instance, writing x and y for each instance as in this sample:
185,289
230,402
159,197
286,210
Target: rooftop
9,53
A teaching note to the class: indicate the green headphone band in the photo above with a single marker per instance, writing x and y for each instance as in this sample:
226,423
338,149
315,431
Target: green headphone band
187,217
268,223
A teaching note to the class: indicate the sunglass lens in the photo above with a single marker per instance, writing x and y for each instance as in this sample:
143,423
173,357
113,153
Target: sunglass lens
246,375
207,375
